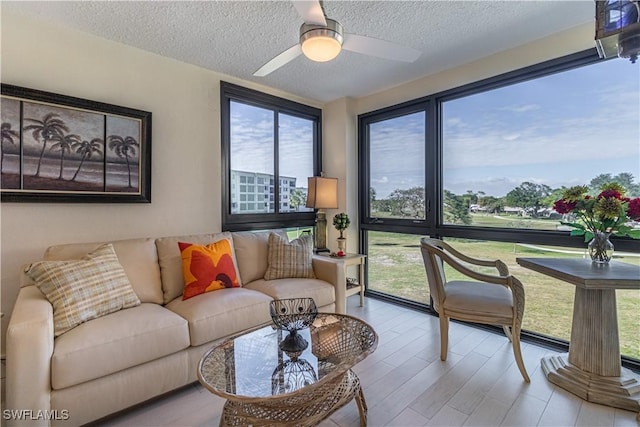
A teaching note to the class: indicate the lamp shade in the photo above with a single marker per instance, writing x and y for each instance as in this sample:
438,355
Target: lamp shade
322,193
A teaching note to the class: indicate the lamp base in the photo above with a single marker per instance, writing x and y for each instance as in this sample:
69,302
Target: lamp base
321,232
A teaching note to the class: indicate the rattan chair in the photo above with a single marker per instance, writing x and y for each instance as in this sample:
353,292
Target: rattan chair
493,300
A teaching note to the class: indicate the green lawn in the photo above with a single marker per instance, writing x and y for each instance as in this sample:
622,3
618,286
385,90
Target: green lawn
395,267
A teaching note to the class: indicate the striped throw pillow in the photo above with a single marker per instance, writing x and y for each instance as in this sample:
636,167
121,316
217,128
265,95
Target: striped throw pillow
290,259
84,289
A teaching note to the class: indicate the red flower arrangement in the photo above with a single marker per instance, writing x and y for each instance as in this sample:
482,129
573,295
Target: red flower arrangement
609,212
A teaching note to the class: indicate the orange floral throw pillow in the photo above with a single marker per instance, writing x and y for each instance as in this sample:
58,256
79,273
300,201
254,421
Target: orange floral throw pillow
207,268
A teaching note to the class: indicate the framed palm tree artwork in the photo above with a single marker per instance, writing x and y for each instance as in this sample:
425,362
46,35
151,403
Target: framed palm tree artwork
58,148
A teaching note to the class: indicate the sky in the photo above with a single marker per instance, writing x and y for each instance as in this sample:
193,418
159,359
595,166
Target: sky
252,147
562,129
559,130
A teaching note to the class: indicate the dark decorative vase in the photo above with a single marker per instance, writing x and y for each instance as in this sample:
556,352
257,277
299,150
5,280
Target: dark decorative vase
600,248
293,315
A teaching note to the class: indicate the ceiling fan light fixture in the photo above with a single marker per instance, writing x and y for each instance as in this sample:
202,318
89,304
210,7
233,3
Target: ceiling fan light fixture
321,43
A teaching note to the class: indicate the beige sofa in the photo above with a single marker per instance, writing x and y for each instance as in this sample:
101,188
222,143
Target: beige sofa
124,358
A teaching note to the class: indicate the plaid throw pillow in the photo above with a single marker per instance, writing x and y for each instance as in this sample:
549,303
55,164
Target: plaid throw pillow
290,259
85,289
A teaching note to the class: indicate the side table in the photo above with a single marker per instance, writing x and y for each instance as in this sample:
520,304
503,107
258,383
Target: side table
344,262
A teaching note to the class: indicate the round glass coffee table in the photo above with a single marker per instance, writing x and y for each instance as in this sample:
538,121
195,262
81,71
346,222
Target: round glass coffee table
263,386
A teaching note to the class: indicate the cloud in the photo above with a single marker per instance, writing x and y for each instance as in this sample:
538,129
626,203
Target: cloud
511,137
521,108
454,121
382,180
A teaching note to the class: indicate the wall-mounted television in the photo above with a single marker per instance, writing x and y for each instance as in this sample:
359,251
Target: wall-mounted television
618,28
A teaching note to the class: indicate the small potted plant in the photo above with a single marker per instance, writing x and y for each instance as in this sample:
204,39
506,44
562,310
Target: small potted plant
341,222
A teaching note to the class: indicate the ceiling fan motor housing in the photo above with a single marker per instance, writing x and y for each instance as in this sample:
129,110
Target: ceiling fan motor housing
329,36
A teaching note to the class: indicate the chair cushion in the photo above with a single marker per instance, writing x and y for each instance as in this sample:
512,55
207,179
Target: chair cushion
115,342
171,262
137,256
208,268
323,293
479,298
290,259
84,289
217,314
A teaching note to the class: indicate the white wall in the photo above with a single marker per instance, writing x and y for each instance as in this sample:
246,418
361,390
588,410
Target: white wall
340,160
184,101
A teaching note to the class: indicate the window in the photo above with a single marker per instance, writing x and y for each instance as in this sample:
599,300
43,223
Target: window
490,158
395,267
267,140
397,171
508,152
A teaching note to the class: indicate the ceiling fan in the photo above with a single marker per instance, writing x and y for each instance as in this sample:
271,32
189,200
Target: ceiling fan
322,39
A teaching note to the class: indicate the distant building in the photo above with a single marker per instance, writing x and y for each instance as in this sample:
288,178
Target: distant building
253,192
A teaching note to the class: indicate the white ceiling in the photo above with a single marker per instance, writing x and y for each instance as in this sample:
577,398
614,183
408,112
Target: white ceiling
238,37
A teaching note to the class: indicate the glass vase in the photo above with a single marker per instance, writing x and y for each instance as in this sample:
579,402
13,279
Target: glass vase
600,248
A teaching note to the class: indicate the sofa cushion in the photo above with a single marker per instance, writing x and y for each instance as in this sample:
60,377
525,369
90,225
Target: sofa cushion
290,259
323,293
207,268
115,342
217,314
252,250
171,262
138,257
85,289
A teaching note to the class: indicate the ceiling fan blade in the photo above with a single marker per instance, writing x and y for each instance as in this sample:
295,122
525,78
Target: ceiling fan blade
310,11
288,55
379,48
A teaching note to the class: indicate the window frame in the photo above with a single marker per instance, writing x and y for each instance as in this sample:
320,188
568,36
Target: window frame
432,105
257,221
433,225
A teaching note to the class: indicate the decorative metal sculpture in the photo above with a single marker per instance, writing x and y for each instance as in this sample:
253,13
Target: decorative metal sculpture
293,315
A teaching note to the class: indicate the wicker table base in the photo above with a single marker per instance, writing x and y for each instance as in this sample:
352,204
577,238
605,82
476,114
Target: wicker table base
301,409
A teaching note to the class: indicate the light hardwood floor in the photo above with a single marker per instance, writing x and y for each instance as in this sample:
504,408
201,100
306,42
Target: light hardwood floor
406,384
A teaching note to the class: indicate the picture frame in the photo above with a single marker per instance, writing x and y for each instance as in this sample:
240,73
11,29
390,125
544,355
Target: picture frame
58,148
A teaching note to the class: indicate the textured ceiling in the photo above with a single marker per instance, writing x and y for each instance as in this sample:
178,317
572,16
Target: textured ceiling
238,37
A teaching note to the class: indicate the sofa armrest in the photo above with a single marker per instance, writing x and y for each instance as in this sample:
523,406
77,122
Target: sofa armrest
326,269
29,351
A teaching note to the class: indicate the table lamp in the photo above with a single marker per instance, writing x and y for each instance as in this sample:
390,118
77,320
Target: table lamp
322,194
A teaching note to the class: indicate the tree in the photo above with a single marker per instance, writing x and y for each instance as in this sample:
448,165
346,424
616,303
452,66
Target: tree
86,149
48,128
528,196
407,202
7,136
64,144
297,198
625,179
491,203
596,183
456,210
124,148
